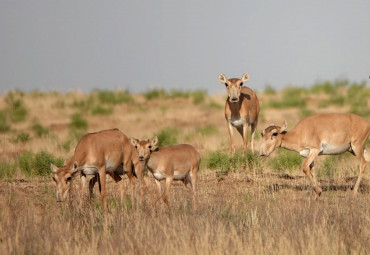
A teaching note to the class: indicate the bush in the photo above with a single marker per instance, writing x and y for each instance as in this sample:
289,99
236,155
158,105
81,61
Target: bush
7,170
269,90
78,122
16,109
198,96
286,161
207,130
38,164
113,97
101,110
167,136
155,94
292,97
40,130
21,137
4,127
224,163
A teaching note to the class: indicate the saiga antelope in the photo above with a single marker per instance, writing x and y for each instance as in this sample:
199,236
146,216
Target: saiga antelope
98,154
176,162
241,109
322,134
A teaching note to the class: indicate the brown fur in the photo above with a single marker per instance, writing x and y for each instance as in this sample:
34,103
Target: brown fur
93,153
322,134
241,105
179,162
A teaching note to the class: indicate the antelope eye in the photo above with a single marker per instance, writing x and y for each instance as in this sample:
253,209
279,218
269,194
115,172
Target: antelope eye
226,84
241,84
275,133
69,178
54,179
261,134
136,146
150,146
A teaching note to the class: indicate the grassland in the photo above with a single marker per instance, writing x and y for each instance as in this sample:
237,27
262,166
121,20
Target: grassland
245,205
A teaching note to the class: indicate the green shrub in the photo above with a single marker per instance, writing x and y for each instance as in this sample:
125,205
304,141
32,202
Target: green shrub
7,170
207,130
155,94
179,94
215,105
292,97
4,127
198,96
327,87
66,145
269,90
38,164
223,163
16,109
40,130
78,122
113,97
167,136
338,100
101,110
21,137
286,161
330,164
304,112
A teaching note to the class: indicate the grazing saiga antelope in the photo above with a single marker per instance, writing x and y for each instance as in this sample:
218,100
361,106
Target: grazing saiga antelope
241,109
322,134
176,162
98,154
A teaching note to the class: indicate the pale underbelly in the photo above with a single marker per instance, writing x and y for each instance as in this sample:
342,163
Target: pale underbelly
328,149
176,176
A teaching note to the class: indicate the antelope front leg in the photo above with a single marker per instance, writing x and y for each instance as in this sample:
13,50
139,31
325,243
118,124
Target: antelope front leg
231,133
103,191
245,136
307,168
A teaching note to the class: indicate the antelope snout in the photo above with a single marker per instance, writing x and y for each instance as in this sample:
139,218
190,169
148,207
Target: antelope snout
234,99
141,158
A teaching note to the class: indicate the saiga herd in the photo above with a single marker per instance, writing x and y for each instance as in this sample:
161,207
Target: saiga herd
111,152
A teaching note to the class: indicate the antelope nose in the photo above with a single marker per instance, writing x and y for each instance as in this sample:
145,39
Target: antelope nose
59,201
262,155
234,99
141,158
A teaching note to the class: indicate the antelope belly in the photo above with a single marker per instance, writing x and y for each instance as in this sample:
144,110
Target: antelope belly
178,175
90,170
330,149
237,122
159,176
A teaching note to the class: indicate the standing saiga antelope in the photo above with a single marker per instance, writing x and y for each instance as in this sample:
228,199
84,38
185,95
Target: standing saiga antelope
322,134
241,109
176,162
98,154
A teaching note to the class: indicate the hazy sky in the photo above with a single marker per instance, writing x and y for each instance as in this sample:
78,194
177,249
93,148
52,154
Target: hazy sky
138,45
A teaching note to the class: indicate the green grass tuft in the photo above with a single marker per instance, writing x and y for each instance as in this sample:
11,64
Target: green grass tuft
167,136
286,161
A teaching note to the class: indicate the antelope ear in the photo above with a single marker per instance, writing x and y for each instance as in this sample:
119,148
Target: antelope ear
53,168
133,141
284,127
222,78
245,77
154,141
75,167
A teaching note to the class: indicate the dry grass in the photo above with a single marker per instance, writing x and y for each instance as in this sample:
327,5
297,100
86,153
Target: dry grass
244,212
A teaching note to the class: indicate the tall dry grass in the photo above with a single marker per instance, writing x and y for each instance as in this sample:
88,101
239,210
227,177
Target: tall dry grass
231,217
247,211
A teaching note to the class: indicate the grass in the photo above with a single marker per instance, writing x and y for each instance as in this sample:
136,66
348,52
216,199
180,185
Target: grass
252,210
101,110
292,97
113,97
286,161
4,126
7,170
224,163
22,137
37,164
39,130
167,136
